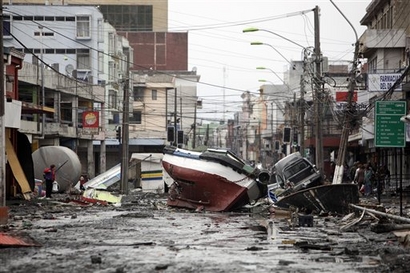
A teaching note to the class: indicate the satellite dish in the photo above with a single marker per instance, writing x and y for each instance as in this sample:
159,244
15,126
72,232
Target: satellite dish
69,69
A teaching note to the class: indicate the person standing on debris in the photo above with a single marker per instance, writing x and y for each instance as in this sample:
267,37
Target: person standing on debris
352,171
49,176
359,176
386,172
368,180
82,182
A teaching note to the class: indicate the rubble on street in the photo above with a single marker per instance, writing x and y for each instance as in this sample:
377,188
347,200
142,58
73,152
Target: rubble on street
143,234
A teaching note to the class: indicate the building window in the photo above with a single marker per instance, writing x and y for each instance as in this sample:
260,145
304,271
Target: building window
373,65
6,26
111,42
136,117
138,93
100,30
111,71
112,99
83,59
100,61
83,26
154,94
129,17
66,112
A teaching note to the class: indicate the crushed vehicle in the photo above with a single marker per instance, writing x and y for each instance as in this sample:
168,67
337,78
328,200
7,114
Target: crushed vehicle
294,173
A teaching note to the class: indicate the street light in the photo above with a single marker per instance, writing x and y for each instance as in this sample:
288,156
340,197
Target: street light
265,68
260,43
266,81
302,113
252,29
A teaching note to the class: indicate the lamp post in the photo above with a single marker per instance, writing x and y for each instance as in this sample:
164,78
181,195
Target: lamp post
338,173
302,112
252,29
264,68
274,48
125,137
266,81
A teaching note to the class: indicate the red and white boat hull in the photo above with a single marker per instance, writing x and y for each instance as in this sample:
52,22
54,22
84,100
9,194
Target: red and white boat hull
206,184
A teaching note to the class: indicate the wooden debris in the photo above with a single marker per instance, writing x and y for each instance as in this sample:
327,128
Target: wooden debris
390,216
354,222
380,228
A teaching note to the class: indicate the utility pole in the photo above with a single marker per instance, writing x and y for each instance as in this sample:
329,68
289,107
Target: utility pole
294,123
194,137
3,208
259,150
302,103
271,128
318,95
103,147
175,119
338,174
125,136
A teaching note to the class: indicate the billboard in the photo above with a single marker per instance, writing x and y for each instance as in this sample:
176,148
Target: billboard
383,82
91,121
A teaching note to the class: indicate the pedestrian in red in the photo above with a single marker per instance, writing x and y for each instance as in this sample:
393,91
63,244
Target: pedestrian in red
82,182
49,176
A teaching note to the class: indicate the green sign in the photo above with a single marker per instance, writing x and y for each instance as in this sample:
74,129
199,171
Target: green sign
389,130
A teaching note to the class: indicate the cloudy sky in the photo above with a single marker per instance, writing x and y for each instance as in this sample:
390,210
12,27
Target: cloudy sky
224,57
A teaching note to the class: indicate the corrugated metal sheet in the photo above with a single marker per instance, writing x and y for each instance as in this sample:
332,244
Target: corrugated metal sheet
14,240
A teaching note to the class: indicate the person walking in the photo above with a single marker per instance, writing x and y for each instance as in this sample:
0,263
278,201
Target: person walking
82,182
359,177
368,180
352,171
49,176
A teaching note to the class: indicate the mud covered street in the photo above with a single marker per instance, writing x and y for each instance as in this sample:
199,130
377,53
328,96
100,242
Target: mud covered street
145,235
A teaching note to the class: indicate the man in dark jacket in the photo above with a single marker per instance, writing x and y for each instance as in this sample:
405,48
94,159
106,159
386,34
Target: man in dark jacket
49,176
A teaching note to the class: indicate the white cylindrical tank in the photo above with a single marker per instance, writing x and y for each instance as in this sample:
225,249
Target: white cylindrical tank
68,165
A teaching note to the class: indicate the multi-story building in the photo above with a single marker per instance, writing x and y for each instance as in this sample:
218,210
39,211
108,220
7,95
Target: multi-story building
147,48
74,63
385,44
136,15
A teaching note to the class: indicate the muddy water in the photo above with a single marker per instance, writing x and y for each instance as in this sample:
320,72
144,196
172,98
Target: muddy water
150,237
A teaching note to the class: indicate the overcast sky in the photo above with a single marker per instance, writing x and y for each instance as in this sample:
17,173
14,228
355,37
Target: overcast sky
224,58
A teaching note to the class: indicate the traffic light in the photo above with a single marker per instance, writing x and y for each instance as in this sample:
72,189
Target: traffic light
118,133
295,138
170,134
286,134
283,149
180,137
277,145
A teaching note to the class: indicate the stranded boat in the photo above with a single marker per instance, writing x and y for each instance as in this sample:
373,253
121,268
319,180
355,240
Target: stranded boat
214,180
334,198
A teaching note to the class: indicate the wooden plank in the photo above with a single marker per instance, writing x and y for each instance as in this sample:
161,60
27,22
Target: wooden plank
17,170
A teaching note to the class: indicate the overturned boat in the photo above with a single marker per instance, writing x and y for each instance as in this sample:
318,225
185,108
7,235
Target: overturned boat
214,180
333,198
